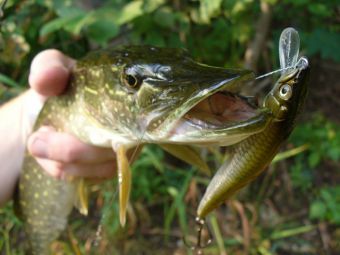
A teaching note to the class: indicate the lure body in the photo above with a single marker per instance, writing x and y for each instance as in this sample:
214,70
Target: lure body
252,155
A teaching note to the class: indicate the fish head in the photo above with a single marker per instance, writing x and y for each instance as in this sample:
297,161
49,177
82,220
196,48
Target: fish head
287,97
159,94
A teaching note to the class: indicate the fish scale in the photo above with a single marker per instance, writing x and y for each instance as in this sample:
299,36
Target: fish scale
45,201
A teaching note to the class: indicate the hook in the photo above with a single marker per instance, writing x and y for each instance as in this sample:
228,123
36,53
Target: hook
199,244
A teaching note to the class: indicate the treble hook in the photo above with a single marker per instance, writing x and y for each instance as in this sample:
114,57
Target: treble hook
199,246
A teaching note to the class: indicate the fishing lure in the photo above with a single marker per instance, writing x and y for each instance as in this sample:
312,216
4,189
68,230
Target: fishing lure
252,155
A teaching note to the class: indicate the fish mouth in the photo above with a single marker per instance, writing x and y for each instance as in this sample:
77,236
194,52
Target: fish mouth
213,109
218,111
209,98
217,108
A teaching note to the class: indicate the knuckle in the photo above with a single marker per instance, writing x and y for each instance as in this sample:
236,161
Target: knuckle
70,155
59,168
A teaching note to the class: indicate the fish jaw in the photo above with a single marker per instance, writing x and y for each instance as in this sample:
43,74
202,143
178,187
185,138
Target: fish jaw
162,125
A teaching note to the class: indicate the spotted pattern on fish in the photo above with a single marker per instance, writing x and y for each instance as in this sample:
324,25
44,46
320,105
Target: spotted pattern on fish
100,107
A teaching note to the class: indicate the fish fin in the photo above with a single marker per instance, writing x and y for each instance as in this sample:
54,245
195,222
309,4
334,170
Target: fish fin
82,198
124,182
189,155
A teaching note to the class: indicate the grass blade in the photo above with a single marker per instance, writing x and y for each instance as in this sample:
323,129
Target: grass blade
8,81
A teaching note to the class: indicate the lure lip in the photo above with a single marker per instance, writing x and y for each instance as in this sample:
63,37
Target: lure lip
299,72
304,63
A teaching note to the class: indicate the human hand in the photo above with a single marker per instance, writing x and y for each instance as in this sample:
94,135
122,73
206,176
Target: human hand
62,154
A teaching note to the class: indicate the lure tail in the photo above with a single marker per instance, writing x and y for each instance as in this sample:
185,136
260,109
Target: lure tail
250,158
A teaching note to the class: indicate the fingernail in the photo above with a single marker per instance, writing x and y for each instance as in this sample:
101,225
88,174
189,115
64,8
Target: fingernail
36,70
39,148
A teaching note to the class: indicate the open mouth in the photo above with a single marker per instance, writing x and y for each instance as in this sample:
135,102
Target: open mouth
218,111
210,109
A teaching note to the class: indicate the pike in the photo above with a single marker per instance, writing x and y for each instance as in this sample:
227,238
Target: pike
124,97
134,95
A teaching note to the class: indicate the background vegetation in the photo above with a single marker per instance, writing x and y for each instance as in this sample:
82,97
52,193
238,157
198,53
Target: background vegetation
293,208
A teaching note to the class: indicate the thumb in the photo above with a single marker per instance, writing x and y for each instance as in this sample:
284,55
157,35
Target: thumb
50,71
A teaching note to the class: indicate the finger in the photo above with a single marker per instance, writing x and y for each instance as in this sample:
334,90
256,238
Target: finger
49,144
60,170
50,71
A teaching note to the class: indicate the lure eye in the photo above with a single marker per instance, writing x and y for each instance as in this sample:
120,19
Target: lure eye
132,81
286,92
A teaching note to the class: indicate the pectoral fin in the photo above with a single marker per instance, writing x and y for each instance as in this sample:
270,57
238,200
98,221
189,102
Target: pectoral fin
82,197
124,182
189,155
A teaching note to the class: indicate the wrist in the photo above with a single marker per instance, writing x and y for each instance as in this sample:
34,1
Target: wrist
17,119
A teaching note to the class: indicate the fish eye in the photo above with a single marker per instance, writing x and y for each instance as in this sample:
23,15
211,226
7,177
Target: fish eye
132,81
285,92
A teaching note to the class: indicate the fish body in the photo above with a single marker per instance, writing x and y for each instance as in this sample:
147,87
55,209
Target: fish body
128,96
251,156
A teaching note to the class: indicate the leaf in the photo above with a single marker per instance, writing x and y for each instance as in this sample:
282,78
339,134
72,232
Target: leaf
165,18
209,9
60,23
299,3
103,20
317,210
151,5
8,81
178,202
319,9
76,26
327,206
101,31
64,9
324,42
292,232
314,159
154,38
291,153
130,12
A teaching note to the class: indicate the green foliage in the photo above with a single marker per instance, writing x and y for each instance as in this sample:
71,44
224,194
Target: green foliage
321,135
324,42
326,206
324,145
8,81
215,32
320,33
204,27
9,224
